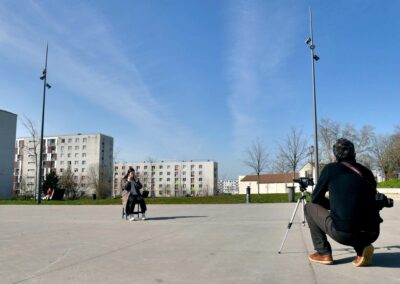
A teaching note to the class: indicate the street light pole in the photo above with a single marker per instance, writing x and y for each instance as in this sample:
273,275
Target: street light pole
45,85
314,57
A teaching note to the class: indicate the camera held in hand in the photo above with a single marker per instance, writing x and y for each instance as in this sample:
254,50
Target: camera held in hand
383,201
304,182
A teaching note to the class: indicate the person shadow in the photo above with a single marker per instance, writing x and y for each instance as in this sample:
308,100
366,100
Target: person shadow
172,217
388,259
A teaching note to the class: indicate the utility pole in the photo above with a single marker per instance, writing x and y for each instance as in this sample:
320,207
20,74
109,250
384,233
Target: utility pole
45,86
314,57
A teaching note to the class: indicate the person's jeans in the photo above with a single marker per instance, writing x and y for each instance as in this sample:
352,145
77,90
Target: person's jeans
321,224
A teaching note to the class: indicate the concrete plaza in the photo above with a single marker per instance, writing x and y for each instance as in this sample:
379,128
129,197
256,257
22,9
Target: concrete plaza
178,244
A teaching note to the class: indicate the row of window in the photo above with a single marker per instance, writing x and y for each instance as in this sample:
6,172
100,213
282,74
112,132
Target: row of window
192,173
69,155
76,170
84,140
70,163
70,148
177,168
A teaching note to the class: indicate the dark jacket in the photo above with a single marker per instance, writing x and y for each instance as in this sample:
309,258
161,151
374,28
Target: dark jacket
136,183
351,197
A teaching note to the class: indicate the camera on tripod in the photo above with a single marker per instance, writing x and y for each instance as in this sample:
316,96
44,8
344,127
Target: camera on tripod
304,182
383,201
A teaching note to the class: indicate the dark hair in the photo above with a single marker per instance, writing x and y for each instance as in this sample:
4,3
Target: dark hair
344,150
131,169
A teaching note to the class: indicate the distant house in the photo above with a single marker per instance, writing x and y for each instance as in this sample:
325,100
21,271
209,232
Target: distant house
269,183
273,183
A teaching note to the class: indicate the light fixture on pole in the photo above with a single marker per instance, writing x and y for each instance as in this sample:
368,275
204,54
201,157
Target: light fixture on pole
314,57
40,177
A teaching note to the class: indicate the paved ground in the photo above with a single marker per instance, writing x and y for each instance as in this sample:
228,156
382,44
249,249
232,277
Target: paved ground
178,244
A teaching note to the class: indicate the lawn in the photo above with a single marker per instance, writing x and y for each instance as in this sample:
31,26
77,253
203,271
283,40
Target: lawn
221,199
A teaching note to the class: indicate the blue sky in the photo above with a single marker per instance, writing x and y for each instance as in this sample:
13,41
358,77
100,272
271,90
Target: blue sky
183,80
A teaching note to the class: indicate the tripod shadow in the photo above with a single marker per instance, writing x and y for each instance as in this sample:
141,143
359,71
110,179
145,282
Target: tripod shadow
172,217
380,259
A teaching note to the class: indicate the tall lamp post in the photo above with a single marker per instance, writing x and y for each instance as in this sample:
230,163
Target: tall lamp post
314,57
45,86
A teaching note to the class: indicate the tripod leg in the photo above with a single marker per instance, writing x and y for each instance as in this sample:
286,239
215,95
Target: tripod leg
290,224
304,201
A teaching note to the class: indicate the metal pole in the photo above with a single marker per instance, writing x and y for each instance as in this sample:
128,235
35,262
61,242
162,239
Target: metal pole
40,177
313,58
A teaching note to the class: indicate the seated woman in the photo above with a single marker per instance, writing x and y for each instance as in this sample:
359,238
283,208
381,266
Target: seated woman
132,185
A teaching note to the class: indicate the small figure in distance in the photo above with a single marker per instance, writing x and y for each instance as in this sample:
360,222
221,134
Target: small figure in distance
350,215
133,186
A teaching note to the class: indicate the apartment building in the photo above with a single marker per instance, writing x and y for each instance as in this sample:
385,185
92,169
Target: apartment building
172,178
8,127
228,186
88,156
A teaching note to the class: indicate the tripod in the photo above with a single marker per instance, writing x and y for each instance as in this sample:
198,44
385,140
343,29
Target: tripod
303,201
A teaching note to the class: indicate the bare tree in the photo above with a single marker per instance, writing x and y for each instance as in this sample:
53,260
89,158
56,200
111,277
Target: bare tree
394,154
68,183
256,159
152,172
32,152
294,149
97,176
380,151
330,131
280,165
362,141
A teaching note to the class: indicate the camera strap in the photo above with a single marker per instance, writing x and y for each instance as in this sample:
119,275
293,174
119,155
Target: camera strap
356,171
352,168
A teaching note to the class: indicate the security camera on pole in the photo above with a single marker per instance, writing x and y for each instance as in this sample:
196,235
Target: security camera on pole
40,176
314,57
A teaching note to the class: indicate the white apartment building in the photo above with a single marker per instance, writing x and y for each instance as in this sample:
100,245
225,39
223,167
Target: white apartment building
88,156
172,178
228,186
8,127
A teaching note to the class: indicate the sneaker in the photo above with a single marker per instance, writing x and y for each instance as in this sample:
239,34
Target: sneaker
323,259
366,258
143,217
132,218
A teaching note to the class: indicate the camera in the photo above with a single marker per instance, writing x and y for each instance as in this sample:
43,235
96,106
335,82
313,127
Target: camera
383,201
304,182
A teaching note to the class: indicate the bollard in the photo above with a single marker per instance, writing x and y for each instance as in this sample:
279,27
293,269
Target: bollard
290,190
94,196
248,196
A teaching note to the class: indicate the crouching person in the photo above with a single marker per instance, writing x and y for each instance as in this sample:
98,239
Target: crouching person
350,216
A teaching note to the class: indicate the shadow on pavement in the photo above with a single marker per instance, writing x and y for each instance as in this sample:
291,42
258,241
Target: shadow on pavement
380,259
173,217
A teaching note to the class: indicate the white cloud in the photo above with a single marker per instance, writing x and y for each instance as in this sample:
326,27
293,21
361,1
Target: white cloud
261,42
86,60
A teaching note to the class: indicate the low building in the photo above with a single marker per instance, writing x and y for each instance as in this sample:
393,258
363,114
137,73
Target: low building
172,178
274,183
8,128
269,183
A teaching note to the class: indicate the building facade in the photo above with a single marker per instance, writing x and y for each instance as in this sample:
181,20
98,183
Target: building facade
8,128
172,178
89,157
227,186
275,183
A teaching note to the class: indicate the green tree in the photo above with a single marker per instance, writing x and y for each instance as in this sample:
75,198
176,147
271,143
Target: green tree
51,181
